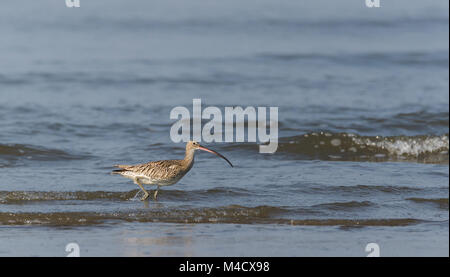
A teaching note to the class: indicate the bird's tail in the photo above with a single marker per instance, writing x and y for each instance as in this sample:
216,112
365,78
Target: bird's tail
118,171
122,169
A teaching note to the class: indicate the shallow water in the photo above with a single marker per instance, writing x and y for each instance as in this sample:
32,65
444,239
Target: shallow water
363,124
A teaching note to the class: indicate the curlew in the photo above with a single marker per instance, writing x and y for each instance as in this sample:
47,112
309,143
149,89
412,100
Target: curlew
163,173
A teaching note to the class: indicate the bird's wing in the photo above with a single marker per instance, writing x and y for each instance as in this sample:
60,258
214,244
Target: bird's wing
158,169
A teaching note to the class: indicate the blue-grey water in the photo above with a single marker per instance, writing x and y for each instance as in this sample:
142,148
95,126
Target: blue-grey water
363,123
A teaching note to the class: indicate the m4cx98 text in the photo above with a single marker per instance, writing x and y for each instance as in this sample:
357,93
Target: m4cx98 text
246,266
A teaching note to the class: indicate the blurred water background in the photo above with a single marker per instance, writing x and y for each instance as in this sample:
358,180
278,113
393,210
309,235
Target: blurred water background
363,124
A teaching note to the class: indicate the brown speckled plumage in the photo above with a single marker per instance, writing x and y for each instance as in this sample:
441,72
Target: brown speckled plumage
159,170
162,173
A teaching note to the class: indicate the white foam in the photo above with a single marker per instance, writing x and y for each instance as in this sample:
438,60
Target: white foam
408,145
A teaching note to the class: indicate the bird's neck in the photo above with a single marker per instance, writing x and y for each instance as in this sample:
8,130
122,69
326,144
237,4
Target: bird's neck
189,157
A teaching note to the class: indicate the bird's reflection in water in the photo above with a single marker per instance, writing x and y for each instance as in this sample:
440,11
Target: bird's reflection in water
168,241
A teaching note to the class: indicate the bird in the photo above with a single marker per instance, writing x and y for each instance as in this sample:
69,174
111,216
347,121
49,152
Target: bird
165,172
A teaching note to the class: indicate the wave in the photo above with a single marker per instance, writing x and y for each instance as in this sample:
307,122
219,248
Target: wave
22,197
16,151
351,147
365,189
438,58
315,215
228,215
361,121
110,79
345,206
442,203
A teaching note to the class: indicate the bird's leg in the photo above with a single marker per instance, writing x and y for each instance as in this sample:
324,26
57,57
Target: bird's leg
143,189
156,192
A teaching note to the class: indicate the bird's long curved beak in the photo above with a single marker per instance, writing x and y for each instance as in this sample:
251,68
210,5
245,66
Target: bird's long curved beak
214,152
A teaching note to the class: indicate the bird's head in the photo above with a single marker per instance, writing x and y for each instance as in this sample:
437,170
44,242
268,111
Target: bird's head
193,145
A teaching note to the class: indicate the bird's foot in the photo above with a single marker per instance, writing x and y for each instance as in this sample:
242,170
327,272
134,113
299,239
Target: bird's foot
155,195
146,195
